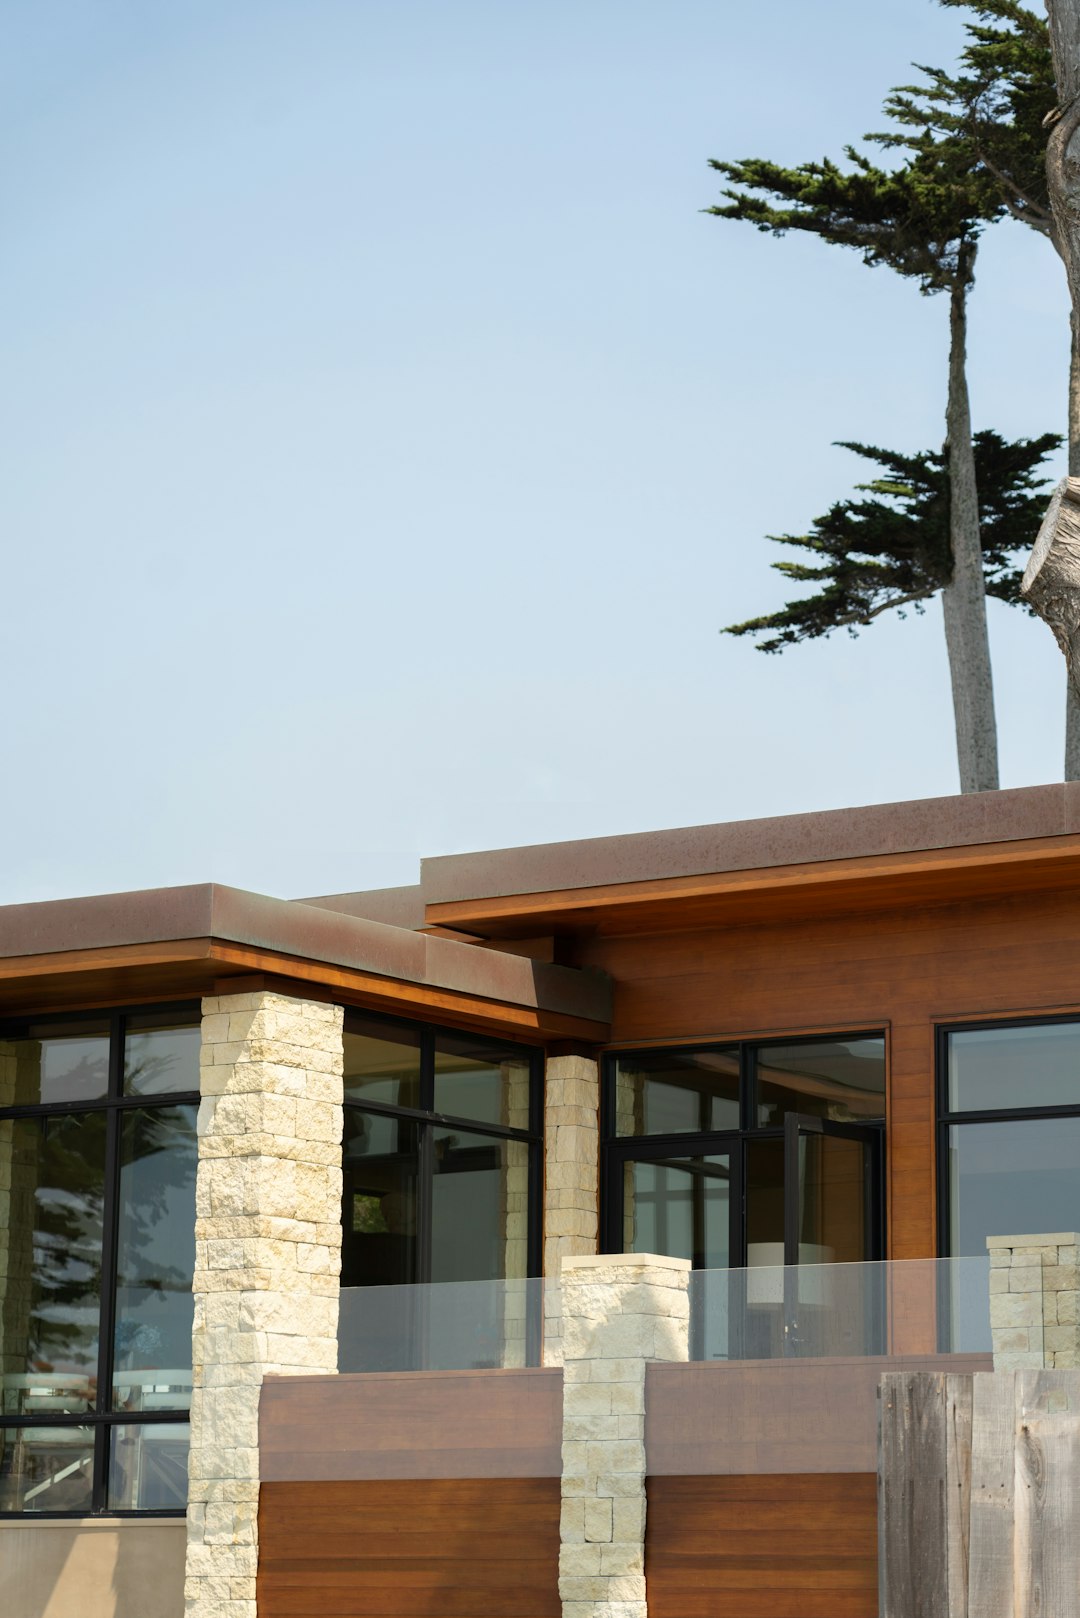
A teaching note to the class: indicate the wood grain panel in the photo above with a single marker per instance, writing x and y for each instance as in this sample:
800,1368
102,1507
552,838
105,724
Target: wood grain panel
422,1548
416,1424
793,1546
901,969
773,1417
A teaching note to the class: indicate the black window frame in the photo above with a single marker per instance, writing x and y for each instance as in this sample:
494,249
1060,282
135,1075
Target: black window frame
617,1149
946,1119
427,1120
115,1104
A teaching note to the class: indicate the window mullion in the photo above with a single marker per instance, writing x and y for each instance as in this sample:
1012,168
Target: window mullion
110,1224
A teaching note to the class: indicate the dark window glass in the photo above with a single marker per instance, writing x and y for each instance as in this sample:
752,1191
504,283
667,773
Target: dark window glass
1017,1177
51,1243
160,1057
764,1202
155,1258
66,1062
382,1065
661,1093
46,1469
480,1198
833,1213
841,1079
681,1207
1037,1066
381,1163
476,1080
148,1467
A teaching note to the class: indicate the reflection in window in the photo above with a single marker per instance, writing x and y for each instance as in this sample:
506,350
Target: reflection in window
675,1093
148,1467
67,1222
381,1065
841,1079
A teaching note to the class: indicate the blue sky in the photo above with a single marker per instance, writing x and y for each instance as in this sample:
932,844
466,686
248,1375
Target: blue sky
389,433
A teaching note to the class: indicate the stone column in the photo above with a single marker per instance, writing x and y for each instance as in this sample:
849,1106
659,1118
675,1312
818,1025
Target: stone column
571,1178
1034,1296
619,1312
267,1261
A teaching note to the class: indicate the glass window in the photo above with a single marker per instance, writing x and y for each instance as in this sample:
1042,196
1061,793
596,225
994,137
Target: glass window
424,1200
675,1093
58,1062
841,1079
681,1207
479,1081
160,1058
155,1256
479,1208
46,1469
51,1301
96,1188
382,1065
1017,1068
1017,1177
148,1467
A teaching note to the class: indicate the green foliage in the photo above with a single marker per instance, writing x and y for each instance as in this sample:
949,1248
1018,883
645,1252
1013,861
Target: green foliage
890,548
993,109
921,219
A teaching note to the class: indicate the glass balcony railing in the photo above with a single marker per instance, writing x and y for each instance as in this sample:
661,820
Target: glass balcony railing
920,1309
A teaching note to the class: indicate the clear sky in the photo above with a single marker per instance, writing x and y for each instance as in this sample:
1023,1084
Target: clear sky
388,433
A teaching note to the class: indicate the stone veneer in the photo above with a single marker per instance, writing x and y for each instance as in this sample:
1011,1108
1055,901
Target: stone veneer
267,1261
619,1312
571,1177
1035,1301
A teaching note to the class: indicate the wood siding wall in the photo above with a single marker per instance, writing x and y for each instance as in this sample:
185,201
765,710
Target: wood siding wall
422,1495
903,970
798,1545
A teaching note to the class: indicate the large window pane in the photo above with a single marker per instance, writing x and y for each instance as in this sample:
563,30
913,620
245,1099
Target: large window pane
46,1469
680,1207
155,1258
661,1093
50,1260
161,1056
1018,1177
148,1467
381,1163
382,1065
842,1079
56,1062
479,1207
477,1080
1014,1067
764,1202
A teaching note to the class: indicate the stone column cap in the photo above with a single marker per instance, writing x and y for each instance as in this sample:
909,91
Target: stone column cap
623,1261
1067,1238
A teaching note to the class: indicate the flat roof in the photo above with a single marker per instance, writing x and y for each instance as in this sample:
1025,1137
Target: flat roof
922,824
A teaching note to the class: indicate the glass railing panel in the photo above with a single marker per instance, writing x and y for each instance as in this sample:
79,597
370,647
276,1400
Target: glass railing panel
443,1326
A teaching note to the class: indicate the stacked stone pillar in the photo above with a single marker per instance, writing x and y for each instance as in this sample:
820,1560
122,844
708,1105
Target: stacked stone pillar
571,1178
620,1311
267,1261
1035,1301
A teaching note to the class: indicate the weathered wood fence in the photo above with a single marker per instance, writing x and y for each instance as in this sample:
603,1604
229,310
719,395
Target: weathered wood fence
979,1495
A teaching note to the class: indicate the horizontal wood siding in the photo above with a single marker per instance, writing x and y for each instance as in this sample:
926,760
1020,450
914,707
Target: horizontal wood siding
790,1546
902,970
420,1495
773,1416
410,1548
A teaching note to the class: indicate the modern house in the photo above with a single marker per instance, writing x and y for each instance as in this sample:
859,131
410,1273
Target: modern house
288,1186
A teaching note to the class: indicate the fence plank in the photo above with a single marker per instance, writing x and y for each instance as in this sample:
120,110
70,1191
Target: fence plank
1047,1510
958,1400
912,1504
993,1427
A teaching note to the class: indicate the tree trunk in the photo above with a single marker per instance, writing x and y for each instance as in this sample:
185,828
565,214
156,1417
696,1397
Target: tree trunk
1051,580
1063,181
1072,695
964,597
